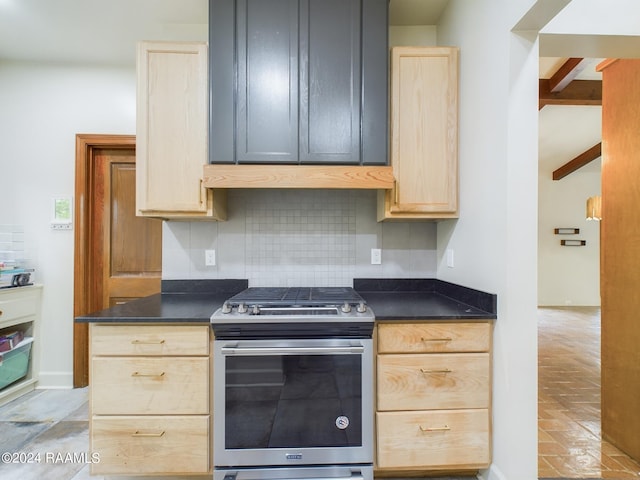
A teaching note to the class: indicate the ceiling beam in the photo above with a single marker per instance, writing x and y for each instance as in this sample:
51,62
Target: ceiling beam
566,74
578,162
577,92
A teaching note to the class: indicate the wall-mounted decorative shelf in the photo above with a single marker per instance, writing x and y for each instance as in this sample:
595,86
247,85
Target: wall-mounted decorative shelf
566,231
573,243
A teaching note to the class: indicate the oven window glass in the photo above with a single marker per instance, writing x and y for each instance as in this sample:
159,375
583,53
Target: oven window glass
292,401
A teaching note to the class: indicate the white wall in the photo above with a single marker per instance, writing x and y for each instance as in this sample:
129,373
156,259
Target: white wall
568,275
43,108
412,35
495,238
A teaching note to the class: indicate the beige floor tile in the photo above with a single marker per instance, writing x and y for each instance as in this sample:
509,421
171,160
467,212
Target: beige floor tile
570,443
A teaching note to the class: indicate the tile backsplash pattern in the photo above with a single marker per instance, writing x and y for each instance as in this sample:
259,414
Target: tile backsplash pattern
284,237
309,240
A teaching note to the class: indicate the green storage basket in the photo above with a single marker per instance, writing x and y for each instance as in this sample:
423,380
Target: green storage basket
14,364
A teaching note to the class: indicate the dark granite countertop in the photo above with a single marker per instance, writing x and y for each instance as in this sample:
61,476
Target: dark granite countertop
425,299
193,301
190,301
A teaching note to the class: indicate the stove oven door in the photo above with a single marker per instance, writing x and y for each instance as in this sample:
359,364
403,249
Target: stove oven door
293,403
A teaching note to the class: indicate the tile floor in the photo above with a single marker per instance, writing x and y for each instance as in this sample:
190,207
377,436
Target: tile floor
569,440
569,443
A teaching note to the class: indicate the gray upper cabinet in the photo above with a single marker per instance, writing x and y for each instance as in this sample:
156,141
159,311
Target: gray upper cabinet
298,81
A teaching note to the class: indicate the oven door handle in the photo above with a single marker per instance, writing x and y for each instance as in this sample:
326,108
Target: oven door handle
355,476
345,349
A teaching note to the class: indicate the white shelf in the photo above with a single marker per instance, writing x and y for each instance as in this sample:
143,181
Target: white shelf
21,306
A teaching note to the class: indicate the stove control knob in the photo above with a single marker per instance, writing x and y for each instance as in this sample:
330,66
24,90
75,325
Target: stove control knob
361,307
242,308
255,310
226,308
346,308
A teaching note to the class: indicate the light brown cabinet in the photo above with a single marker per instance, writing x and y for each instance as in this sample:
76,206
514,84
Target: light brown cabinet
171,133
149,399
433,396
423,134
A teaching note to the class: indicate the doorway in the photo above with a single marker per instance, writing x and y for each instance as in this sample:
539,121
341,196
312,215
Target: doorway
117,255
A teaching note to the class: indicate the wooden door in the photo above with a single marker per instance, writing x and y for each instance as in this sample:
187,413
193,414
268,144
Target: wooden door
118,256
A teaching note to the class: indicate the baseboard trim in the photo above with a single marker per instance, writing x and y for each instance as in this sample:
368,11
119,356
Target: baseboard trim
55,380
492,473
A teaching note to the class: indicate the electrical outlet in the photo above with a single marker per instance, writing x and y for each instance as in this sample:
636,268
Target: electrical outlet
210,258
376,256
450,261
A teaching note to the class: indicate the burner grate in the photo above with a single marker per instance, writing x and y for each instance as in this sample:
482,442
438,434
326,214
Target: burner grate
296,296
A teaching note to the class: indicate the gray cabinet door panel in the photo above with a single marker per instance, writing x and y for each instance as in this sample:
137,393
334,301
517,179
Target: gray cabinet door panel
267,107
330,81
375,95
298,81
222,81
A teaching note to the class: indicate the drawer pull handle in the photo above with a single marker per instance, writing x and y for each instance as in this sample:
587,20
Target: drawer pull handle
443,371
444,428
147,342
138,433
138,374
444,339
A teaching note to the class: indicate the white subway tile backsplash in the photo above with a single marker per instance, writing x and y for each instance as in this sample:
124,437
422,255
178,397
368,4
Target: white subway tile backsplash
280,237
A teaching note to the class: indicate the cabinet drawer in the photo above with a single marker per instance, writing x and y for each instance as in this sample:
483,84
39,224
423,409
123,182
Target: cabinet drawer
434,337
444,439
432,381
14,308
149,385
149,340
150,445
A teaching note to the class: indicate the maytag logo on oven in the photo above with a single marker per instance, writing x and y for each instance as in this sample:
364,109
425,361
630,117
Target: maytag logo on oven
293,456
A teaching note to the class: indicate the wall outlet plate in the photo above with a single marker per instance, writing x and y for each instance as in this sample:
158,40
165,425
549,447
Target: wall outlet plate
210,258
376,256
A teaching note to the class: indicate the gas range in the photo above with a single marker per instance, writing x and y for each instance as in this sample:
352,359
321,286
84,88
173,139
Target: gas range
301,312
293,385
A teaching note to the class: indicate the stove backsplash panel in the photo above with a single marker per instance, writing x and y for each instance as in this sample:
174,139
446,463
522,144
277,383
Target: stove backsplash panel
299,237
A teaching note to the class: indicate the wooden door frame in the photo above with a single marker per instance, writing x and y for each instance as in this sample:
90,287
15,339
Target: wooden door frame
84,300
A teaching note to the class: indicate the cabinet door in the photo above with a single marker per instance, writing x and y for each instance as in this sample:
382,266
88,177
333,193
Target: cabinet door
432,381
330,81
161,445
423,133
287,81
432,440
267,106
151,385
171,132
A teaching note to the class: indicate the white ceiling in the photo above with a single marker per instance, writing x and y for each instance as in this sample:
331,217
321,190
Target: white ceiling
105,32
